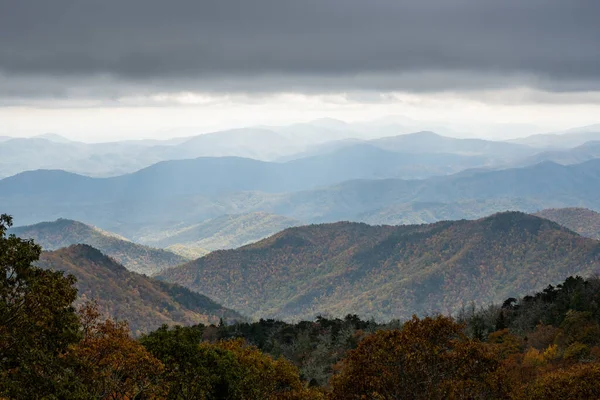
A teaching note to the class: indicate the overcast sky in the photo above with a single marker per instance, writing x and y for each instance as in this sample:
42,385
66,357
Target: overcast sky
132,68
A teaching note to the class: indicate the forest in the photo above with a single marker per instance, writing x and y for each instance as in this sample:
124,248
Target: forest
389,271
545,345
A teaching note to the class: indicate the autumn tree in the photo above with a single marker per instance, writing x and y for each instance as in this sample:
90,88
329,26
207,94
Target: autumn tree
263,377
579,381
108,363
37,320
428,358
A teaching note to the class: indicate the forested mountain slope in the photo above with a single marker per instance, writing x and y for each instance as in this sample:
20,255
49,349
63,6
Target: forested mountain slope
581,220
390,272
64,232
124,295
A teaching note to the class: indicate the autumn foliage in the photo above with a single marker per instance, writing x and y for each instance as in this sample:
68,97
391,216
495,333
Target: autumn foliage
426,359
543,346
108,362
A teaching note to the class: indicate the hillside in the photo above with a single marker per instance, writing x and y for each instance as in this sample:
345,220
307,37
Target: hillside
581,220
390,272
144,302
64,233
224,232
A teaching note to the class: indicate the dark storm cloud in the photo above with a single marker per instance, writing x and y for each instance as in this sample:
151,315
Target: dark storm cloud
301,45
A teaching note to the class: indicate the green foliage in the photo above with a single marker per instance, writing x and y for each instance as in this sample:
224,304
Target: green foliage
37,320
313,346
222,370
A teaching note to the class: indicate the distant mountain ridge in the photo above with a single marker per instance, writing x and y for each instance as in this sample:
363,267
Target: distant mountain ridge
431,142
404,156
65,232
582,153
566,139
127,204
224,232
124,295
51,151
390,271
581,220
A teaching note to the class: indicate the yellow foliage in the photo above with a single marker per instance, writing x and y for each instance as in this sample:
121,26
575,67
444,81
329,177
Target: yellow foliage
579,381
551,353
533,358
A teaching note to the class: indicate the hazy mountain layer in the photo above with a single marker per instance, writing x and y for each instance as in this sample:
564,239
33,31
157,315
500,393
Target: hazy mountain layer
581,220
225,232
390,272
566,139
585,152
51,151
64,233
159,198
429,212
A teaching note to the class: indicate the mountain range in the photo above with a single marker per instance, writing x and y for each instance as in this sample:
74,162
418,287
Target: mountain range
265,143
585,152
177,192
564,139
390,271
51,151
64,233
124,295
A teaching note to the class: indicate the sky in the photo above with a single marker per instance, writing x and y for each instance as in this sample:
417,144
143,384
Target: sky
105,70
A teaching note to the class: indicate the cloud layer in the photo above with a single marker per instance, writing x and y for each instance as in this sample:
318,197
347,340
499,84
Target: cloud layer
110,46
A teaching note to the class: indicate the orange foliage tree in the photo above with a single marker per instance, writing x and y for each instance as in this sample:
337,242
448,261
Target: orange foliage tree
428,358
109,363
579,381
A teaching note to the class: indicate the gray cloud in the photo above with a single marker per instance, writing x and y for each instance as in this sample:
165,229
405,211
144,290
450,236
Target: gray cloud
308,45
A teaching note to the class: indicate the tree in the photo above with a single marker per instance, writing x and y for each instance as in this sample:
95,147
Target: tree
427,359
579,381
109,364
37,320
262,377
227,369
191,371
